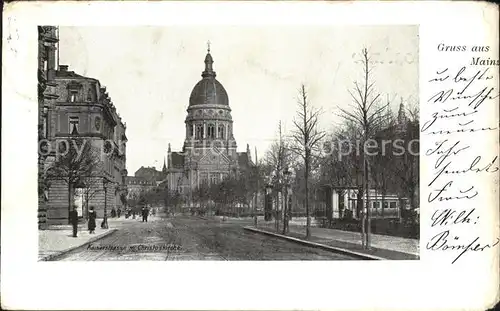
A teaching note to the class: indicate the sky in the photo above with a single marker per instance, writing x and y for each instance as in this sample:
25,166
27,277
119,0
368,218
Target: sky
149,73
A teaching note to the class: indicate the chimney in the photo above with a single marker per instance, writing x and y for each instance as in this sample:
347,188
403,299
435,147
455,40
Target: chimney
63,67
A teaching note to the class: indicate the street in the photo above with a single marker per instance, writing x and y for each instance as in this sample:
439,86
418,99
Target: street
193,238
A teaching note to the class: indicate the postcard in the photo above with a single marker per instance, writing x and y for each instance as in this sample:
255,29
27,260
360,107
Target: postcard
226,155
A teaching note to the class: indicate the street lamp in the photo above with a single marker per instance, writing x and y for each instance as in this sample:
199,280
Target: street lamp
287,210
268,206
256,199
104,224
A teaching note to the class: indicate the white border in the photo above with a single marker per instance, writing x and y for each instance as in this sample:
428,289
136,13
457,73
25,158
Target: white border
431,283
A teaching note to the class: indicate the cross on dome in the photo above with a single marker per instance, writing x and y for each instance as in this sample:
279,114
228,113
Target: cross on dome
208,46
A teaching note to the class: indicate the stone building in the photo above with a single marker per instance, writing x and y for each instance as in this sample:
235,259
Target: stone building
81,109
137,185
48,39
210,152
151,174
144,179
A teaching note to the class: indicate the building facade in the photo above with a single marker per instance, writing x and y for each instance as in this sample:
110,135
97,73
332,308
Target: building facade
209,153
79,108
137,185
145,179
341,201
48,39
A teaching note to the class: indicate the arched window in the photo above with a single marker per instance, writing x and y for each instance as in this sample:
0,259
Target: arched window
89,95
190,130
199,131
211,131
220,131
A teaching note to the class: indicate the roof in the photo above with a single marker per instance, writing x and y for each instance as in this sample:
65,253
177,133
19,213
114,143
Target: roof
149,173
244,160
177,160
71,74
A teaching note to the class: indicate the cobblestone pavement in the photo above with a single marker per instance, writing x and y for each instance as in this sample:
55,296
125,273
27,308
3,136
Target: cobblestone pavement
194,238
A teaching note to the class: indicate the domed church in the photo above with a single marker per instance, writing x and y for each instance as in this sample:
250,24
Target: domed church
209,153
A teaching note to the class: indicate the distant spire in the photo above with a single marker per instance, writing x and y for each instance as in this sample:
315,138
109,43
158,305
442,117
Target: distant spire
169,148
164,170
401,113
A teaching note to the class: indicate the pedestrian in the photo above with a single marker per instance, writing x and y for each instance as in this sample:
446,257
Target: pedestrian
119,212
146,213
113,213
73,218
143,212
92,218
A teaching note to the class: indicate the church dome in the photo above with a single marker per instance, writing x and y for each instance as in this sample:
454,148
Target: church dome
208,91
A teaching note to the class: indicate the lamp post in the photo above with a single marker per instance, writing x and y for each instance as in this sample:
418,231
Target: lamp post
286,211
105,218
256,199
268,206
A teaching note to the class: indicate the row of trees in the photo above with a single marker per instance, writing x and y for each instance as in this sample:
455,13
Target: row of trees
236,190
320,158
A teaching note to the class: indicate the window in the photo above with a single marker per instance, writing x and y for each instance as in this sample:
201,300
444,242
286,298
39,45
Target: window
45,127
211,131
386,205
199,131
73,125
376,205
392,205
214,178
190,130
203,178
220,131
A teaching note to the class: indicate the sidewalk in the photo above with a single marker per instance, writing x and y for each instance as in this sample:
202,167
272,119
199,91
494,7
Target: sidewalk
386,247
58,239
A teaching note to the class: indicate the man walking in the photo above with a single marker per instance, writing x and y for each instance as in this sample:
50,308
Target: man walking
145,213
73,218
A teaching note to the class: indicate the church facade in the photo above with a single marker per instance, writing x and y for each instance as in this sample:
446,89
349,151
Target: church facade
209,153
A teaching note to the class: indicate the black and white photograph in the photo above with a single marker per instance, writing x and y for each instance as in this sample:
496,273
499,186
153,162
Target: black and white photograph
159,143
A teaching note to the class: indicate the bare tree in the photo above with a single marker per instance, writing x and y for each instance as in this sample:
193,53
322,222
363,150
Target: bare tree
278,158
202,194
306,138
77,162
382,163
91,186
368,115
